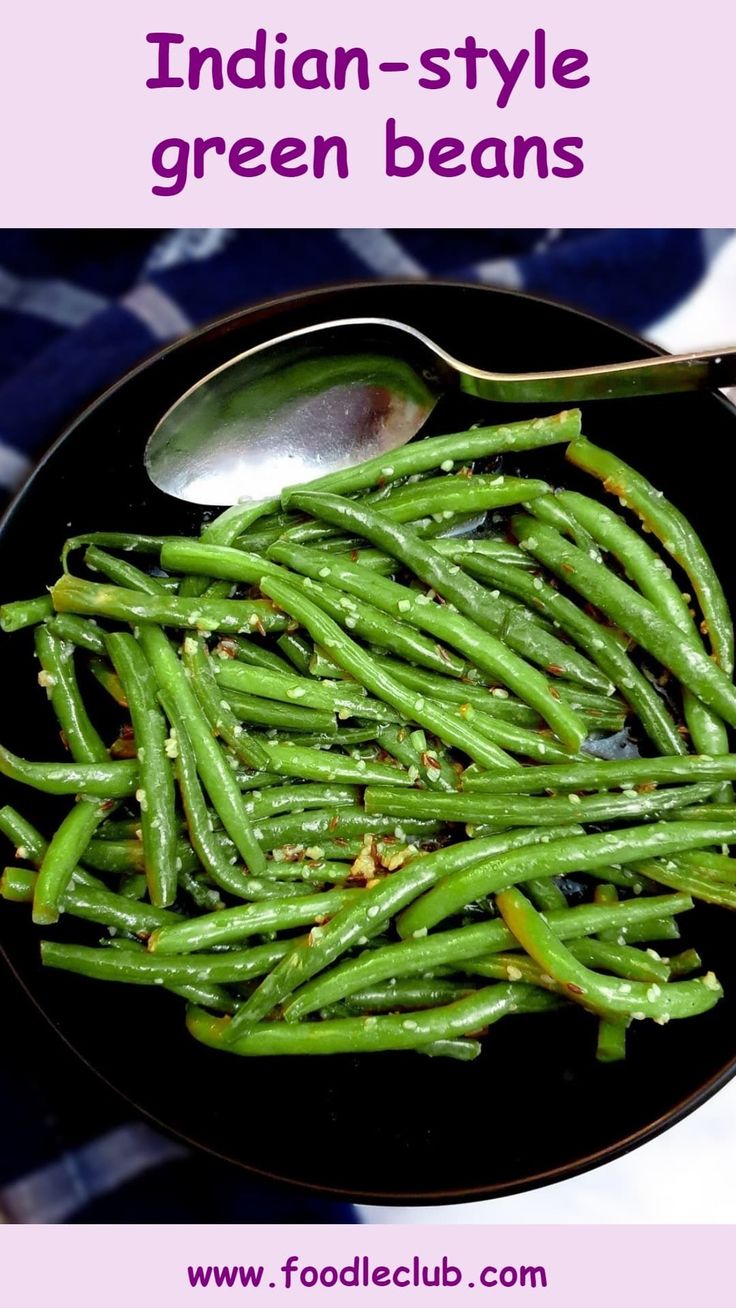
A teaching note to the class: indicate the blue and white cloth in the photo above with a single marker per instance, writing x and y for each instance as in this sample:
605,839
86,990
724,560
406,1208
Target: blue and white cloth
79,308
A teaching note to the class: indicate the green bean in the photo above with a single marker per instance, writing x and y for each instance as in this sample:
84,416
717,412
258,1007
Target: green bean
287,717
552,510
597,641
73,595
64,851
94,904
655,930
458,548
258,541
718,866
224,530
546,894
523,811
260,779
222,719
211,560
369,1034
32,846
517,740
463,1050
625,879
348,738
141,968
720,812
156,793
686,962
130,542
29,843
25,613
433,452
292,799
408,994
365,669
510,967
556,858
115,856
487,700
83,632
239,518
649,572
260,888
489,654
205,996
451,948
450,496
657,635
208,848
370,623
675,533
104,780
108,679
618,959
611,1046
89,900
412,750
324,765
496,616
602,774
323,666
306,828
59,678
121,572
319,873
17,885
305,692
375,560
671,872
217,776
366,917
297,650
233,924
203,895
622,960
334,851
601,994
122,856
133,885
286,713
249,650
22,881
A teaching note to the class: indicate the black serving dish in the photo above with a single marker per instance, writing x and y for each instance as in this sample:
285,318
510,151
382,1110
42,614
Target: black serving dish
393,1128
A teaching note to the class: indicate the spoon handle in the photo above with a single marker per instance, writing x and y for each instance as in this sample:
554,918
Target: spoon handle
667,373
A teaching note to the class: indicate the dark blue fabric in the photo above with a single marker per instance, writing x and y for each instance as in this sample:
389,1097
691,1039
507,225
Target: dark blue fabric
77,309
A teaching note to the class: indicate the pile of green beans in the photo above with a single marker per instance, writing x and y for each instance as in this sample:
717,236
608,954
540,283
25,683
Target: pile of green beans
349,778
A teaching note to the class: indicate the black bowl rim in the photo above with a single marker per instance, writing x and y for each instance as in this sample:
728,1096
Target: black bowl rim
471,1194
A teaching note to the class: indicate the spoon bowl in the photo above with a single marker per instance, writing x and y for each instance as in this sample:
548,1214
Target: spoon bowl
327,396
298,406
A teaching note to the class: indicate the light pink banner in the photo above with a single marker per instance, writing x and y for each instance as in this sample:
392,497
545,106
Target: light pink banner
557,1266
78,124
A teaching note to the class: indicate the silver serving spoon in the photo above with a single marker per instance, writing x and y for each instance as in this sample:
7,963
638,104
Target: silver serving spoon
326,397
